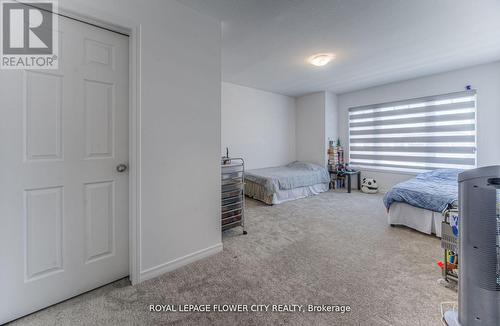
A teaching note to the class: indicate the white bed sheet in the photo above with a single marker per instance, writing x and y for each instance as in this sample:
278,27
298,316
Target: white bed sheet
282,196
416,218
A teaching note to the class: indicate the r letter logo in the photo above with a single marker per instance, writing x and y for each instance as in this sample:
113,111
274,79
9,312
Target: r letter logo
29,35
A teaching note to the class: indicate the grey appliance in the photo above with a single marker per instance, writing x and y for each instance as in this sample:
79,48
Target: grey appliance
479,224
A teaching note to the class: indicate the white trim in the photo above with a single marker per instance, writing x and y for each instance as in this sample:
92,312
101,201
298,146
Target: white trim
135,45
135,202
179,262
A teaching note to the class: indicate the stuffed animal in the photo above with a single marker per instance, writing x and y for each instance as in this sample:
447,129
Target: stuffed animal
369,186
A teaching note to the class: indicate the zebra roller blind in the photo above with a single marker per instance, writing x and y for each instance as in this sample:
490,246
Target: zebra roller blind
415,135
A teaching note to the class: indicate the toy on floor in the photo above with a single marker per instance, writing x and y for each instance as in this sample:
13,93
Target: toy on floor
369,186
451,266
449,271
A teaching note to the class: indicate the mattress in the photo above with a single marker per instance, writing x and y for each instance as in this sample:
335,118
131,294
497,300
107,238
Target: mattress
258,192
435,191
291,176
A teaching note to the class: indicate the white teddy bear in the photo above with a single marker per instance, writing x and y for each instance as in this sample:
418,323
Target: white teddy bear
369,186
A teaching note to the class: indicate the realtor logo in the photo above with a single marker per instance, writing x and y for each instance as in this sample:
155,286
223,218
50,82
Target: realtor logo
29,34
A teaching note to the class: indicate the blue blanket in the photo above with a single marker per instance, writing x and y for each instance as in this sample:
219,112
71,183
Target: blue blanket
434,190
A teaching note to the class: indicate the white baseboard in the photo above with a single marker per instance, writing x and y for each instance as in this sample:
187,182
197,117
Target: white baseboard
179,262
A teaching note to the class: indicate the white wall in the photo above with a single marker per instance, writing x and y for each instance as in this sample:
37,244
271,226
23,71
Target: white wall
316,124
258,126
310,128
269,129
484,78
180,127
331,120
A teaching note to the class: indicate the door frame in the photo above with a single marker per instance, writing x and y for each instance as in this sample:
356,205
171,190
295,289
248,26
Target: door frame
134,142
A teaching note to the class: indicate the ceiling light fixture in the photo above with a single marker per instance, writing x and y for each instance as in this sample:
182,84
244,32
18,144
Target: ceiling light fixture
321,59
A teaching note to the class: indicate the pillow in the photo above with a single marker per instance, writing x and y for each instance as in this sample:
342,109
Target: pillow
445,174
304,166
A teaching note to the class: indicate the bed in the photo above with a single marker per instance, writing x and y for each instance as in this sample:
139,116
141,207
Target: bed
419,203
280,184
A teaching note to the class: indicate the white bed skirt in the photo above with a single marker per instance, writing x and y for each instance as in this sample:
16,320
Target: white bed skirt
416,218
258,192
302,192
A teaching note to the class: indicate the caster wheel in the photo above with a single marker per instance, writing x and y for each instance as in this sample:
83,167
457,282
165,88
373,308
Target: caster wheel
245,232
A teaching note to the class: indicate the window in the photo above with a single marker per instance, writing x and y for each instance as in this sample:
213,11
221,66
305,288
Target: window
415,135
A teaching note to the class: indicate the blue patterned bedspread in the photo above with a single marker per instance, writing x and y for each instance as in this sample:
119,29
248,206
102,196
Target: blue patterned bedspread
433,190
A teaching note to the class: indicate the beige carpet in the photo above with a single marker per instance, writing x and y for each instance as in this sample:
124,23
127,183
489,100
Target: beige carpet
335,248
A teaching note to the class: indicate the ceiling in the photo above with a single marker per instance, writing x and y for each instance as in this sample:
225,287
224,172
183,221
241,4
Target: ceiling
266,42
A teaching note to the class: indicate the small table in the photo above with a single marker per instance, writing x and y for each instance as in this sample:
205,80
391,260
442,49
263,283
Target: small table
348,174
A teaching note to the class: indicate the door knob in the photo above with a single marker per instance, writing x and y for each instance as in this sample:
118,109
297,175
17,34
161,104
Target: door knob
121,168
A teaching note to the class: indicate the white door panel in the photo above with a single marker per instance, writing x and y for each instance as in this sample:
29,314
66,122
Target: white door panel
63,205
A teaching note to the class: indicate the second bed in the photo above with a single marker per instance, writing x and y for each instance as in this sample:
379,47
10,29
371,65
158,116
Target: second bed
277,185
420,203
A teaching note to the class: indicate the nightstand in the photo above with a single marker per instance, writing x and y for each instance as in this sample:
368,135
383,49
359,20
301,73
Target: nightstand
347,175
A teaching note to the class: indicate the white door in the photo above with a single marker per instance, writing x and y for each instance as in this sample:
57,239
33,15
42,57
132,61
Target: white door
63,204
